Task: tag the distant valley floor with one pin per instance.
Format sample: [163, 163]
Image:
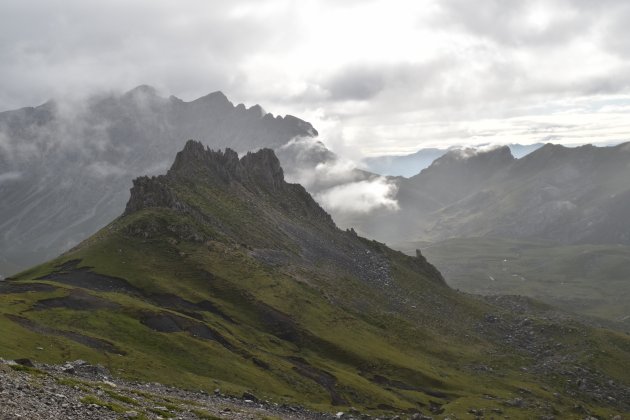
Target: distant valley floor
[592, 280]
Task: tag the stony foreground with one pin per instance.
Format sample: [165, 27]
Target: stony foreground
[78, 390]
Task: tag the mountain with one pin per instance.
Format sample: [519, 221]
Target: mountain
[560, 194]
[220, 274]
[564, 195]
[557, 216]
[66, 167]
[422, 198]
[522, 150]
[409, 165]
[402, 165]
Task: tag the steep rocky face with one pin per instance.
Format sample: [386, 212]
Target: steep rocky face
[261, 168]
[256, 179]
[66, 169]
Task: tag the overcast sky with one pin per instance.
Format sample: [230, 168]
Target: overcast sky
[374, 76]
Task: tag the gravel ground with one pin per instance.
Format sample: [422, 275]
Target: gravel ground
[78, 390]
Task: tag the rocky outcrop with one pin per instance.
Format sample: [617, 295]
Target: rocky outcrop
[259, 169]
[257, 173]
[152, 192]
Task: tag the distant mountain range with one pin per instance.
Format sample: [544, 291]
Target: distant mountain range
[409, 165]
[220, 274]
[556, 193]
[66, 169]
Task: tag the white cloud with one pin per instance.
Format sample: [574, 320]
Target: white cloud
[373, 76]
[334, 181]
[360, 197]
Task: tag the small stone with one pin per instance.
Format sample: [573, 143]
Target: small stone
[249, 396]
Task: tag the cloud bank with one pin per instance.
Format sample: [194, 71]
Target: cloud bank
[374, 77]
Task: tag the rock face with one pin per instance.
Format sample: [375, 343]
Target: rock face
[258, 173]
[66, 169]
[258, 170]
[261, 168]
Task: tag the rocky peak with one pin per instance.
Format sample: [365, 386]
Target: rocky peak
[264, 167]
[261, 168]
[152, 192]
[215, 99]
[256, 174]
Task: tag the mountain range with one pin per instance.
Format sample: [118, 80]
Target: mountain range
[409, 165]
[556, 193]
[220, 274]
[66, 167]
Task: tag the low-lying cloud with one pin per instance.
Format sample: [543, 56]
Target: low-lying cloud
[335, 182]
[360, 197]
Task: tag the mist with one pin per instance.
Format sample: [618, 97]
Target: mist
[335, 182]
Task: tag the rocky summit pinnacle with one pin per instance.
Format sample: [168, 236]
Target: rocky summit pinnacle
[259, 168]
[257, 174]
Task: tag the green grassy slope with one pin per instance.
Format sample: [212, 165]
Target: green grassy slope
[221, 275]
[591, 280]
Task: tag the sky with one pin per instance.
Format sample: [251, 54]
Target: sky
[373, 76]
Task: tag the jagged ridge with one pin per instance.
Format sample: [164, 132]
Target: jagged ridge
[257, 172]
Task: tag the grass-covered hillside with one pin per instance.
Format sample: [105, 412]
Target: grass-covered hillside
[592, 280]
[221, 275]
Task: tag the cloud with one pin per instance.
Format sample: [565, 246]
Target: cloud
[105, 170]
[10, 176]
[372, 76]
[360, 197]
[532, 23]
[463, 153]
[308, 162]
[335, 182]
[356, 83]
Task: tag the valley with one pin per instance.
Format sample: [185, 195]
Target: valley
[584, 279]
